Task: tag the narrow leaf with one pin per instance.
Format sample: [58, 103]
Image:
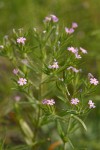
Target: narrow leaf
[80, 120]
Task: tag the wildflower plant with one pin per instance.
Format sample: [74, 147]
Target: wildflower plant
[55, 92]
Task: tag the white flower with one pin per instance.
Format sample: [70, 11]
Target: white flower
[83, 50]
[91, 104]
[54, 65]
[1, 46]
[22, 81]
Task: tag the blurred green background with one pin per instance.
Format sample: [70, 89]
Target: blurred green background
[30, 13]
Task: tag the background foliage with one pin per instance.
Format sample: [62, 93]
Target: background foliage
[30, 13]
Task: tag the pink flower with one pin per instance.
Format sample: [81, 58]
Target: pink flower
[91, 104]
[54, 18]
[44, 101]
[75, 51]
[78, 56]
[69, 30]
[51, 18]
[83, 50]
[72, 49]
[15, 71]
[74, 101]
[47, 19]
[74, 25]
[21, 40]
[54, 65]
[73, 69]
[94, 81]
[17, 98]
[22, 81]
[48, 102]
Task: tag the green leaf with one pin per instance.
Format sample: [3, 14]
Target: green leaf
[71, 143]
[28, 134]
[60, 131]
[80, 120]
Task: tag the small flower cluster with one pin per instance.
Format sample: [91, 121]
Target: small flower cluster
[22, 81]
[91, 104]
[17, 98]
[48, 102]
[21, 40]
[75, 101]
[75, 51]
[54, 65]
[15, 71]
[73, 69]
[93, 80]
[72, 49]
[52, 18]
[72, 29]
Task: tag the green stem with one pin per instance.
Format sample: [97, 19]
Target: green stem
[64, 147]
[40, 91]
[71, 143]
[68, 125]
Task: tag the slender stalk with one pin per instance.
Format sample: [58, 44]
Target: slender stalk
[71, 143]
[64, 147]
[68, 125]
[40, 91]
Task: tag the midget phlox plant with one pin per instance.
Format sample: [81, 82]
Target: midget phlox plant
[54, 90]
